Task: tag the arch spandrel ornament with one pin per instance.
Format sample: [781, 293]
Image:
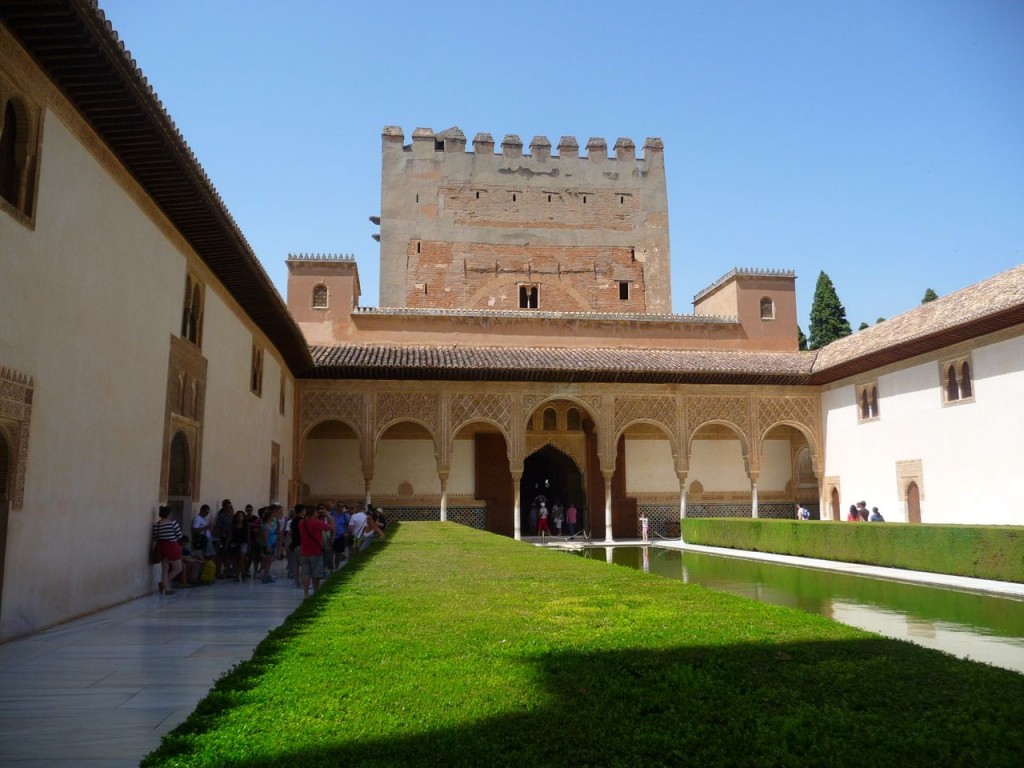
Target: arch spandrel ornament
[465, 408]
[731, 411]
[801, 413]
[421, 407]
[575, 449]
[317, 406]
[658, 410]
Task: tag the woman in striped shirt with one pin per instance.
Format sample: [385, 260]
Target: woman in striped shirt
[167, 533]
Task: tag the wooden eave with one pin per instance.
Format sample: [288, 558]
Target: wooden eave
[74, 44]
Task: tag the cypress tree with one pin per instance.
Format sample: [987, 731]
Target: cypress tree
[801, 340]
[828, 316]
[929, 295]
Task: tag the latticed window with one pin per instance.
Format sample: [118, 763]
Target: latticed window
[572, 419]
[767, 309]
[550, 420]
[320, 296]
[957, 383]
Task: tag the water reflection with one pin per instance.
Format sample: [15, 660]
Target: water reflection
[970, 625]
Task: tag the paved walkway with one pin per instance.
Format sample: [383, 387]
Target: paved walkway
[103, 690]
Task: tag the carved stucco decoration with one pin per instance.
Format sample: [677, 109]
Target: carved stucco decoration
[702, 409]
[318, 405]
[795, 411]
[658, 409]
[16, 392]
[400, 406]
[465, 408]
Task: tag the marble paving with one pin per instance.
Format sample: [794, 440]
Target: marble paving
[103, 690]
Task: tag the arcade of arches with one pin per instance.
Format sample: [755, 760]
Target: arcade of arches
[479, 454]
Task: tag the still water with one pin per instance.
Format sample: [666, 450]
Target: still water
[967, 624]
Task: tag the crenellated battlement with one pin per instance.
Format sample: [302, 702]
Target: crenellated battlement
[320, 257]
[425, 141]
[737, 272]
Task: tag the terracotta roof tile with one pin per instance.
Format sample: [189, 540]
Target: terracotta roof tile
[990, 305]
[561, 364]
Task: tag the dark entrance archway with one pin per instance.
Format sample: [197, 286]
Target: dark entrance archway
[550, 473]
[913, 503]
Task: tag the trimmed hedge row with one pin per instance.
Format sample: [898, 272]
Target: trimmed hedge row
[984, 552]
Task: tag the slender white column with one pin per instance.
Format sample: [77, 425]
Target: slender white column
[444, 496]
[608, 507]
[517, 533]
[753, 495]
[368, 484]
[682, 504]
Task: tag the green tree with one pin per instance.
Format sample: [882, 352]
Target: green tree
[801, 340]
[862, 326]
[828, 316]
[929, 295]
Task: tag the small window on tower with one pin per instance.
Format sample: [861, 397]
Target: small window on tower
[623, 290]
[528, 296]
[767, 309]
[320, 296]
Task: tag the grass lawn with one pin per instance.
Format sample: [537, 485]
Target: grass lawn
[451, 647]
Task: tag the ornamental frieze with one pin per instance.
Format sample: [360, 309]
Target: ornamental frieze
[465, 408]
[701, 409]
[659, 409]
[794, 410]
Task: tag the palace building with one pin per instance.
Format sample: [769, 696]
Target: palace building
[523, 346]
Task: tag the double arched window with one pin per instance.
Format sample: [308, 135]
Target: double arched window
[957, 383]
[867, 401]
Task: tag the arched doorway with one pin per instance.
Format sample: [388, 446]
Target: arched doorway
[913, 503]
[179, 481]
[552, 474]
[833, 504]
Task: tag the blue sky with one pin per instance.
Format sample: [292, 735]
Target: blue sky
[881, 141]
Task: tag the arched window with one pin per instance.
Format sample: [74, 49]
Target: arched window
[957, 383]
[550, 420]
[966, 389]
[767, 308]
[192, 312]
[867, 401]
[572, 419]
[9, 156]
[320, 296]
[952, 390]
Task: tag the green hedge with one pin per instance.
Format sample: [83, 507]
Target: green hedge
[984, 552]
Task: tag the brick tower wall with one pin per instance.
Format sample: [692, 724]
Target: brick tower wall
[466, 229]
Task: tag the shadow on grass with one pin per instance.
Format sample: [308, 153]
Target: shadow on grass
[856, 703]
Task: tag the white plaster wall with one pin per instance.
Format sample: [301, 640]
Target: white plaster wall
[776, 465]
[89, 300]
[333, 468]
[971, 453]
[718, 465]
[410, 461]
[650, 467]
[461, 478]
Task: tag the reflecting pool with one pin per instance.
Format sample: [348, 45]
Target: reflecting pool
[971, 625]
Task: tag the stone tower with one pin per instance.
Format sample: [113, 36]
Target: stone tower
[508, 231]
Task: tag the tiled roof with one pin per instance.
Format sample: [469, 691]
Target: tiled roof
[538, 314]
[378, 361]
[991, 305]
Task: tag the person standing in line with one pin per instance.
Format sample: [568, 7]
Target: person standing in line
[875, 516]
[355, 529]
[853, 516]
[293, 544]
[222, 525]
[167, 534]
[268, 540]
[311, 549]
[200, 539]
[570, 518]
[802, 513]
[340, 517]
[557, 515]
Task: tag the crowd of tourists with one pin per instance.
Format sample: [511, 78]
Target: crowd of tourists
[550, 522]
[244, 544]
[858, 513]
